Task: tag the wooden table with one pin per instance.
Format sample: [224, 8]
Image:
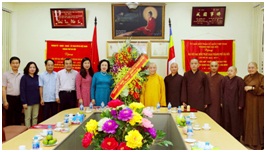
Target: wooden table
[217, 136]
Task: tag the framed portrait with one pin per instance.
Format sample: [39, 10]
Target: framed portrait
[68, 17]
[159, 49]
[144, 22]
[114, 46]
[208, 16]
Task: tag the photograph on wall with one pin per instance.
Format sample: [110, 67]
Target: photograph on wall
[114, 46]
[146, 21]
[159, 49]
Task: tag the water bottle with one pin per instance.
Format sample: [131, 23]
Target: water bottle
[207, 146]
[81, 107]
[189, 130]
[35, 143]
[179, 111]
[66, 120]
[169, 107]
[50, 130]
[188, 120]
[102, 105]
[91, 107]
[158, 107]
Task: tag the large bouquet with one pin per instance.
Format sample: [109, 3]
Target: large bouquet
[123, 128]
[121, 62]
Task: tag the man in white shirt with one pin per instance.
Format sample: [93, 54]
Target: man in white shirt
[65, 86]
[11, 93]
[47, 83]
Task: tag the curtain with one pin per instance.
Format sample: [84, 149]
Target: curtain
[6, 39]
[258, 36]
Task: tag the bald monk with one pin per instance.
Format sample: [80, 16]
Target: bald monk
[215, 79]
[254, 108]
[173, 86]
[232, 102]
[195, 88]
[153, 90]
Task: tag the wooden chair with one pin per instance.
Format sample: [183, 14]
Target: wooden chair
[9, 132]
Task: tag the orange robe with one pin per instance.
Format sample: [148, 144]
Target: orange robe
[153, 91]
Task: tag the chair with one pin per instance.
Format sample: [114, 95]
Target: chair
[9, 132]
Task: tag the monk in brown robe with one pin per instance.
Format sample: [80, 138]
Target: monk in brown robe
[254, 108]
[195, 88]
[215, 79]
[173, 84]
[232, 103]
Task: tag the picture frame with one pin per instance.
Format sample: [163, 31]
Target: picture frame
[114, 46]
[159, 49]
[68, 17]
[144, 22]
[208, 16]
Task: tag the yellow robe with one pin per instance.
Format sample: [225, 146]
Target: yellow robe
[153, 91]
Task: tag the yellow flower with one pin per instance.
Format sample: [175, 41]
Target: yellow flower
[136, 105]
[136, 118]
[92, 126]
[134, 139]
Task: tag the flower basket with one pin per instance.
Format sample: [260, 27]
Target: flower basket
[123, 127]
[121, 62]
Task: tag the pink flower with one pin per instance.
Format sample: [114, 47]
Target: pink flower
[147, 112]
[146, 123]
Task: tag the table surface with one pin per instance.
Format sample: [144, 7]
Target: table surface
[217, 136]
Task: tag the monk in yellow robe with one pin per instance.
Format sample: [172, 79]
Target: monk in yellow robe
[153, 90]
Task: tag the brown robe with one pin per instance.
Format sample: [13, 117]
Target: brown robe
[214, 109]
[195, 90]
[173, 86]
[254, 111]
[232, 97]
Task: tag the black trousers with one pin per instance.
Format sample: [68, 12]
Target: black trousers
[14, 111]
[68, 100]
[49, 109]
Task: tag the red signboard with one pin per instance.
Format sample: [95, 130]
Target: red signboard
[208, 16]
[207, 51]
[59, 50]
[68, 17]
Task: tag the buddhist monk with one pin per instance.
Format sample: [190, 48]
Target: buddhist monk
[254, 108]
[173, 86]
[148, 29]
[232, 102]
[195, 88]
[214, 79]
[153, 90]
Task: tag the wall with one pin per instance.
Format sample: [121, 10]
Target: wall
[32, 26]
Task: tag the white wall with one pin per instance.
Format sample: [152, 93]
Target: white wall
[32, 26]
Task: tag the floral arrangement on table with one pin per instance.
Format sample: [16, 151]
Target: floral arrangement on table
[123, 127]
[121, 62]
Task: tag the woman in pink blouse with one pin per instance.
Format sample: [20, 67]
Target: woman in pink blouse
[83, 82]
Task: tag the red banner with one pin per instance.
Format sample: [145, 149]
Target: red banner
[59, 50]
[207, 51]
[129, 76]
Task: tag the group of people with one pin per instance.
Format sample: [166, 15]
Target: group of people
[53, 90]
[236, 104]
